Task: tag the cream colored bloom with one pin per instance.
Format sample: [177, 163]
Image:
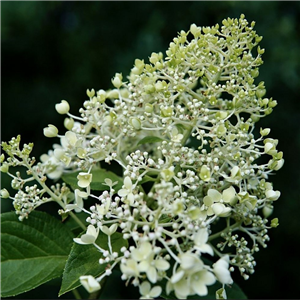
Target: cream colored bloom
[149, 293]
[144, 254]
[90, 283]
[221, 270]
[89, 237]
[84, 179]
[126, 191]
[63, 107]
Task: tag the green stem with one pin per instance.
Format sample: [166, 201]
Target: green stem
[76, 294]
[53, 196]
[216, 235]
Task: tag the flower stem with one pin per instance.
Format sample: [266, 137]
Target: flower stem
[76, 294]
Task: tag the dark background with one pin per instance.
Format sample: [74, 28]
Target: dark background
[56, 50]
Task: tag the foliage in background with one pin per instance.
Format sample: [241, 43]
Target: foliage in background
[52, 47]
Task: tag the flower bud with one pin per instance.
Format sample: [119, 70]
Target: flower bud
[90, 93]
[149, 108]
[63, 107]
[260, 92]
[166, 112]
[274, 223]
[113, 94]
[4, 168]
[135, 123]
[195, 31]
[117, 80]
[4, 193]
[205, 173]
[265, 132]
[69, 123]
[2, 157]
[267, 211]
[101, 96]
[50, 131]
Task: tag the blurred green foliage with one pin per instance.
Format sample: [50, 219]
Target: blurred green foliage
[56, 50]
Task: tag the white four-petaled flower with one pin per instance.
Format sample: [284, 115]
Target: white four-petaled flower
[89, 237]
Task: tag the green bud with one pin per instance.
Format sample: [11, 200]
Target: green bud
[274, 223]
[220, 115]
[265, 132]
[167, 174]
[195, 31]
[101, 96]
[117, 80]
[166, 112]
[205, 173]
[2, 157]
[272, 103]
[91, 93]
[221, 130]
[154, 58]
[149, 108]
[267, 210]
[260, 51]
[149, 88]
[260, 92]
[135, 123]
[254, 73]
[139, 64]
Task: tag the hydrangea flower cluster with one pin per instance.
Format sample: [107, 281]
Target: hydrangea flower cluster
[195, 198]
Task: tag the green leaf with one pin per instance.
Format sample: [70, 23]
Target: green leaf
[150, 140]
[83, 260]
[32, 252]
[97, 182]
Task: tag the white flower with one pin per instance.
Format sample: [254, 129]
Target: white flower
[90, 283]
[84, 179]
[214, 201]
[54, 166]
[71, 138]
[190, 278]
[130, 268]
[145, 256]
[176, 137]
[127, 190]
[79, 195]
[272, 195]
[89, 237]
[221, 270]
[147, 292]
[200, 280]
[200, 241]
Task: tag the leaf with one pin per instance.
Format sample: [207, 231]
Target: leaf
[32, 252]
[97, 181]
[83, 260]
[150, 140]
